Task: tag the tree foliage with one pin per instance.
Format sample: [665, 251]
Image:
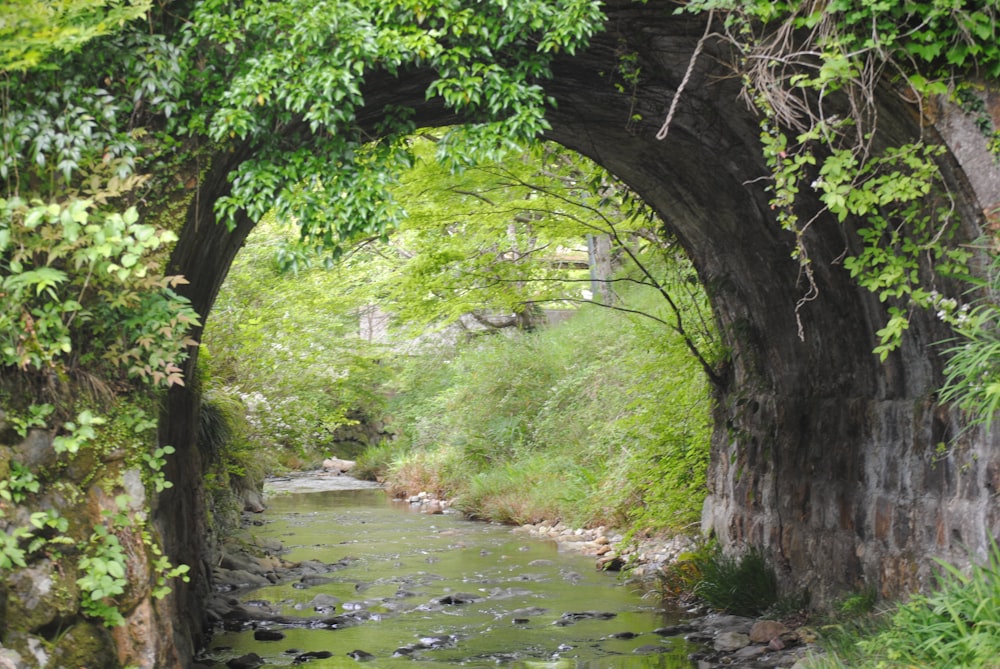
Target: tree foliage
[289, 77]
[493, 245]
[285, 345]
[31, 30]
[490, 240]
[84, 289]
[498, 240]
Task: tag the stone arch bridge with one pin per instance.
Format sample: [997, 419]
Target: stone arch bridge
[821, 453]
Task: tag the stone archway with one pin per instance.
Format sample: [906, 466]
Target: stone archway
[821, 453]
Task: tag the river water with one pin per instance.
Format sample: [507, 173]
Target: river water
[439, 591]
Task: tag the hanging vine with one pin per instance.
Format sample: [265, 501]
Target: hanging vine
[815, 72]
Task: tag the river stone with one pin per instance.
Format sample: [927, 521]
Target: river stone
[588, 615]
[458, 598]
[357, 606]
[765, 630]
[623, 635]
[361, 655]
[749, 652]
[649, 649]
[324, 602]
[729, 623]
[674, 630]
[268, 635]
[701, 636]
[248, 661]
[11, 659]
[312, 655]
[611, 561]
[435, 642]
[727, 642]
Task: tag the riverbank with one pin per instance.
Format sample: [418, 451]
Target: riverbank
[643, 559]
[735, 642]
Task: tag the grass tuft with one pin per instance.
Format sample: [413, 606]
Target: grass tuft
[744, 585]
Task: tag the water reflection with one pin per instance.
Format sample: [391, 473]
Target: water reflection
[442, 591]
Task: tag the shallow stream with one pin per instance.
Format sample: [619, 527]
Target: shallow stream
[440, 591]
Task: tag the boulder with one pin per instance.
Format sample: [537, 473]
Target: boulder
[40, 594]
[337, 465]
[765, 630]
[727, 642]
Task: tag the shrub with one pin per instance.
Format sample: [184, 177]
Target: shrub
[376, 461]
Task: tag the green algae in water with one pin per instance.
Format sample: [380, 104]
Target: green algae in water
[448, 591]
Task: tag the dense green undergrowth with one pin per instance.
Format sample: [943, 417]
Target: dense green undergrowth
[957, 626]
[603, 420]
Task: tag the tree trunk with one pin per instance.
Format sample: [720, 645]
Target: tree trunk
[599, 252]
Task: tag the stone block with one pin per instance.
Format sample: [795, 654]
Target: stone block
[883, 518]
[40, 595]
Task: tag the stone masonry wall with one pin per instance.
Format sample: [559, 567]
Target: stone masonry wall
[42, 620]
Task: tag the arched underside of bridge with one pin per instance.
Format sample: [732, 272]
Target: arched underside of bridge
[821, 454]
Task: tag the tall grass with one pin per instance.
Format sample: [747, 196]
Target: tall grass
[603, 420]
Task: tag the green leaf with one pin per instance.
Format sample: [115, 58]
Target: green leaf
[116, 569]
[41, 279]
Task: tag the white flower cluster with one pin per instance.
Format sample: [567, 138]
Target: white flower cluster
[948, 309]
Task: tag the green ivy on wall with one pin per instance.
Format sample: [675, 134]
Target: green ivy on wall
[814, 73]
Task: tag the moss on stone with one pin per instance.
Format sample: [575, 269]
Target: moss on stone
[41, 595]
[85, 644]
